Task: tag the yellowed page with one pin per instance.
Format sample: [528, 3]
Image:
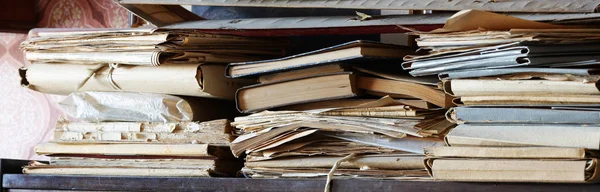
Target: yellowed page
[506, 152]
[465, 87]
[502, 170]
[371, 161]
[467, 20]
[116, 171]
[150, 58]
[193, 150]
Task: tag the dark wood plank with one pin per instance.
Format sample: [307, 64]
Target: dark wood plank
[17, 16]
[10, 166]
[20, 181]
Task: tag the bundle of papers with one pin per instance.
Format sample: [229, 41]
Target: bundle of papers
[149, 47]
[309, 148]
[317, 109]
[460, 47]
[177, 160]
[135, 134]
[528, 100]
[177, 62]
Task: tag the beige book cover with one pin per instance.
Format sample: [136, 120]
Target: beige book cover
[40, 168]
[186, 150]
[515, 170]
[468, 87]
[134, 163]
[295, 74]
[509, 152]
[555, 99]
[424, 92]
[503, 135]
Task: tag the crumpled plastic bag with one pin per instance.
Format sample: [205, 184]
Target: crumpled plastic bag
[93, 106]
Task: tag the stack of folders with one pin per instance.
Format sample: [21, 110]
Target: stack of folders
[335, 106]
[143, 102]
[137, 134]
[177, 62]
[519, 90]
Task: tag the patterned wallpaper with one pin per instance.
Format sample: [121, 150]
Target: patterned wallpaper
[28, 117]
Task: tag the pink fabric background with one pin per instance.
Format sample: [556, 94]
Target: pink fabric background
[28, 117]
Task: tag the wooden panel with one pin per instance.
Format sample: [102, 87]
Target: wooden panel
[19, 181]
[20, 10]
[10, 166]
[488, 5]
[17, 16]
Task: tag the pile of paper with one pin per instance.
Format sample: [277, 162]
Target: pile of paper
[519, 85]
[322, 113]
[178, 62]
[143, 102]
[145, 46]
[154, 136]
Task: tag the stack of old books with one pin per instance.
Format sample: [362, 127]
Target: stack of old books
[137, 134]
[123, 84]
[337, 107]
[524, 88]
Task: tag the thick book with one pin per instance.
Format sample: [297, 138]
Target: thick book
[529, 100]
[348, 52]
[277, 94]
[486, 87]
[515, 170]
[507, 135]
[214, 166]
[509, 152]
[475, 73]
[508, 115]
[300, 73]
[426, 93]
[114, 171]
[171, 150]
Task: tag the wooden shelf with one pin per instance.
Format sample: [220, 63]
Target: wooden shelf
[107, 183]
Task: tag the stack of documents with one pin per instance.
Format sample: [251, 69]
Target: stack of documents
[338, 105]
[178, 62]
[459, 51]
[144, 102]
[519, 85]
[308, 143]
[135, 134]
